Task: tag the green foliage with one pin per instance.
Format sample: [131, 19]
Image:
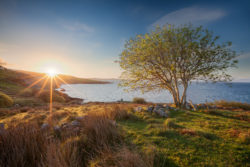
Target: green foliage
[5, 100]
[139, 100]
[170, 57]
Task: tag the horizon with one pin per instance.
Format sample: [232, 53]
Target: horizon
[84, 38]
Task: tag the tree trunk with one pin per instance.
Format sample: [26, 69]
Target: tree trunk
[184, 95]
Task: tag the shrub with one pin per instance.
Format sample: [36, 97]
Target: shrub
[5, 100]
[139, 100]
[26, 92]
[45, 96]
[116, 113]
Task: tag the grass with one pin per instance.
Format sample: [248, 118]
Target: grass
[113, 134]
[5, 100]
[232, 104]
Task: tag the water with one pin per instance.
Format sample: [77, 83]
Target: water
[197, 92]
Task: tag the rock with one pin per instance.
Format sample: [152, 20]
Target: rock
[44, 126]
[80, 118]
[161, 112]
[75, 123]
[16, 105]
[2, 125]
[64, 125]
[62, 90]
[112, 122]
[138, 109]
[150, 109]
[188, 106]
[57, 128]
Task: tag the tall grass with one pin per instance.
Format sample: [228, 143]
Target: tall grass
[233, 104]
[26, 145]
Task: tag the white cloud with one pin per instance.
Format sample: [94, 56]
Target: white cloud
[194, 15]
[78, 26]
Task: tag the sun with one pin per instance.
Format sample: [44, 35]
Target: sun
[51, 72]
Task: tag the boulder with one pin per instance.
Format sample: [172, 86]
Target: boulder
[161, 112]
[138, 109]
[44, 126]
[57, 128]
[150, 109]
[75, 123]
[2, 125]
[80, 118]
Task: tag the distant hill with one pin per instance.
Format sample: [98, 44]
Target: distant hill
[14, 82]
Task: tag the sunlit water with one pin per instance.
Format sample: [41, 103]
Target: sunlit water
[197, 92]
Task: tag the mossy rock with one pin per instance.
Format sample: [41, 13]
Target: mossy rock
[5, 100]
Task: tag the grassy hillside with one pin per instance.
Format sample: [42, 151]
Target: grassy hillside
[106, 134]
[16, 84]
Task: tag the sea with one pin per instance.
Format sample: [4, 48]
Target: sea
[198, 92]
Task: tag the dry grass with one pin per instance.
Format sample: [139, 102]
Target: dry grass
[232, 104]
[22, 146]
[123, 157]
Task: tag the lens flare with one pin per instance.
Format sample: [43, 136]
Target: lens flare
[51, 72]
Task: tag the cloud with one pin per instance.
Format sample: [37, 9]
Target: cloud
[195, 15]
[244, 56]
[78, 27]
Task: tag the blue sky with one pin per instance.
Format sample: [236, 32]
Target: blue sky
[84, 38]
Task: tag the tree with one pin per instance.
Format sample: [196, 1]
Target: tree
[171, 57]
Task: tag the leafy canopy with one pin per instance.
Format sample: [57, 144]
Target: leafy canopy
[169, 57]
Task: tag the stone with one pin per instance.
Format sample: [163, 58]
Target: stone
[80, 118]
[138, 109]
[2, 125]
[150, 109]
[75, 123]
[64, 125]
[161, 112]
[16, 105]
[57, 128]
[44, 126]
[187, 106]
[112, 122]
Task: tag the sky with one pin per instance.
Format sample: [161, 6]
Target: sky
[84, 38]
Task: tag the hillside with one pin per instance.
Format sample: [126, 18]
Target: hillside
[24, 87]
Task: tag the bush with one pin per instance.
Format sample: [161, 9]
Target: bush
[5, 100]
[45, 96]
[139, 100]
[26, 92]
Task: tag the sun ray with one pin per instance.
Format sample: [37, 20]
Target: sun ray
[43, 86]
[34, 83]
